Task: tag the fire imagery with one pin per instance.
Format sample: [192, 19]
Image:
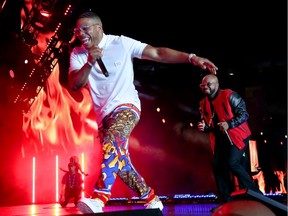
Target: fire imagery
[57, 121]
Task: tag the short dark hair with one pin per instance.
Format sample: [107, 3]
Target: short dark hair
[89, 14]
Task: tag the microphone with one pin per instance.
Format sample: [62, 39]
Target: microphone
[102, 67]
[228, 137]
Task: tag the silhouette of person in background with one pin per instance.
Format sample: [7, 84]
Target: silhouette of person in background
[71, 184]
[75, 160]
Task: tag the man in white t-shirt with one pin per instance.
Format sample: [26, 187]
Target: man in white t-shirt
[105, 63]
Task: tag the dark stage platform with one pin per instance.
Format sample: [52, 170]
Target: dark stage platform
[246, 203]
[115, 210]
[245, 207]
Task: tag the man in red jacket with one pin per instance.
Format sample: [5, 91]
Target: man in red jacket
[224, 116]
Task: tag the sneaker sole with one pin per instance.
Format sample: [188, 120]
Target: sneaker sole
[159, 206]
[84, 208]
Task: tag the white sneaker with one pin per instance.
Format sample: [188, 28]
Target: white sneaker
[156, 203]
[86, 205]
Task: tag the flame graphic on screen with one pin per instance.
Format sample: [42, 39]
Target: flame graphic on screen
[58, 121]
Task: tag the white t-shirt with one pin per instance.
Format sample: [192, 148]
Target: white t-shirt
[109, 92]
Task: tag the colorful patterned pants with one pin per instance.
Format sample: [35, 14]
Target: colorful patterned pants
[114, 134]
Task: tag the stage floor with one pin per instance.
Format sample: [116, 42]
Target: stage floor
[262, 205]
[57, 210]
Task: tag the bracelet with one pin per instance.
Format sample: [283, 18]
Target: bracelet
[190, 57]
[90, 64]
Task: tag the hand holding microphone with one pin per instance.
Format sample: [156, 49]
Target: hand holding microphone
[102, 67]
[94, 55]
